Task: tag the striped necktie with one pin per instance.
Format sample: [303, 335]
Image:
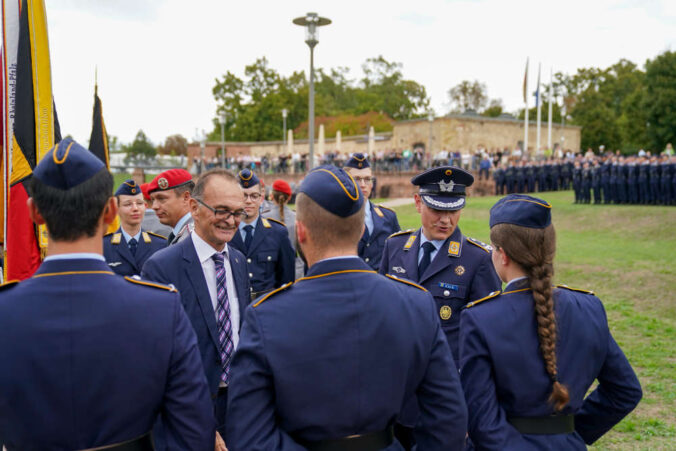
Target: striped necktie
[223, 323]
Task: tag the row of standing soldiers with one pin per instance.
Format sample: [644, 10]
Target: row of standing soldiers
[608, 179]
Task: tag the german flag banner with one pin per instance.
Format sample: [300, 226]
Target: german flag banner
[98, 143]
[29, 107]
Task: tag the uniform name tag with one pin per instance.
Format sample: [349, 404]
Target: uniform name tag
[449, 286]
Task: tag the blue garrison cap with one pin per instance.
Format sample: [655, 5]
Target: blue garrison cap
[247, 178]
[358, 161]
[521, 210]
[334, 190]
[67, 165]
[128, 188]
[443, 188]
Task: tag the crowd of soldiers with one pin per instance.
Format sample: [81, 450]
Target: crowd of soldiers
[327, 328]
[607, 179]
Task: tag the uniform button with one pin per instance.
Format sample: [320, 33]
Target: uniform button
[250, 274]
[366, 259]
[269, 258]
[368, 244]
[248, 260]
[447, 293]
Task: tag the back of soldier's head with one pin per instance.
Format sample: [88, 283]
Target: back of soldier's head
[70, 188]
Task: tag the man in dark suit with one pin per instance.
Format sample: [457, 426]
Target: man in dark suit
[127, 249]
[270, 258]
[92, 358]
[211, 277]
[380, 222]
[327, 362]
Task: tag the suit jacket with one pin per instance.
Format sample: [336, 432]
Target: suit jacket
[91, 359]
[337, 353]
[503, 373]
[461, 271]
[119, 257]
[384, 224]
[270, 259]
[179, 266]
[184, 233]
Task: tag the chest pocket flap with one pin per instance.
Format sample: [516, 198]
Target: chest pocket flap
[266, 257]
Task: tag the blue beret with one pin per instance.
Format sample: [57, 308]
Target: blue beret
[128, 188]
[358, 161]
[247, 178]
[521, 210]
[334, 190]
[67, 165]
[443, 188]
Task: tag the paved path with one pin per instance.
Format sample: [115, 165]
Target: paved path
[397, 202]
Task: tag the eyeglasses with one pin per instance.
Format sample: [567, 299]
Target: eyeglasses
[366, 180]
[225, 214]
[253, 196]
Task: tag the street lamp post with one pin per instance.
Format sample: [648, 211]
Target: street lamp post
[284, 113]
[203, 142]
[221, 119]
[430, 118]
[312, 21]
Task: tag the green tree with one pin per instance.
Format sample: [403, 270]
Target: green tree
[468, 95]
[660, 100]
[141, 149]
[174, 145]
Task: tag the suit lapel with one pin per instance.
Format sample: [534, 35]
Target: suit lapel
[377, 221]
[259, 236]
[410, 258]
[125, 253]
[240, 287]
[199, 284]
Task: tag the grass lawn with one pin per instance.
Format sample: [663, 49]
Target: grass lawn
[627, 256]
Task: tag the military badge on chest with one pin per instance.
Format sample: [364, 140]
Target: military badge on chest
[459, 270]
[445, 312]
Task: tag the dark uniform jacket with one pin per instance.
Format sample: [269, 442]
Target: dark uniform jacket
[384, 224]
[92, 358]
[461, 271]
[119, 257]
[503, 372]
[270, 259]
[336, 354]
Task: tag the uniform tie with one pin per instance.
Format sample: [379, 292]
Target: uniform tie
[133, 244]
[367, 235]
[428, 248]
[223, 323]
[171, 237]
[248, 230]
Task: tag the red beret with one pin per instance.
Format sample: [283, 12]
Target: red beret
[144, 190]
[282, 187]
[170, 179]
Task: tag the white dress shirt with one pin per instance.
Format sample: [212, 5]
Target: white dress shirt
[205, 253]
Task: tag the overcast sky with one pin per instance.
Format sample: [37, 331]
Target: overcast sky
[158, 59]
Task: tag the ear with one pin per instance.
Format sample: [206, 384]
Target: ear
[418, 202]
[301, 232]
[110, 211]
[194, 206]
[33, 212]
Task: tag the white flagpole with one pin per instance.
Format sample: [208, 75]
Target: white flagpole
[538, 101]
[525, 100]
[549, 121]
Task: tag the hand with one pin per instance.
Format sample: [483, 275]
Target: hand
[220, 444]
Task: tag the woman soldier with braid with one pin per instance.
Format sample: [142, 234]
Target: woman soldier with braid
[529, 354]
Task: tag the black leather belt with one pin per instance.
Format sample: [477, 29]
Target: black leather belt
[373, 441]
[142, 443]
[555, 424]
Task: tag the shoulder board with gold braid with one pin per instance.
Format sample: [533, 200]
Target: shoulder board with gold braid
[145, 283]
[575, 289]
[479, 301]
[403, 232]
[276, 220]
[9, 284]
[116, 238]
[273, 292]
[407, 282]
[156, 234]
[265, 223]
[479, 244]
[386, 208]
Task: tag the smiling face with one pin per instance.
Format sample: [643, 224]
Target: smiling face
[436, 224]
[221, 194]
[131, 210]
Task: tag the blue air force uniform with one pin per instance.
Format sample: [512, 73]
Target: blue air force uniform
[329, 360]
[503, 373]
[383, 223]
[118, 252]
[265, 243]
[91, 359]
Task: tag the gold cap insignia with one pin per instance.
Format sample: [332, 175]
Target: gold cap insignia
[460, 270]
[445, 312]
[360, 165]
[163, 183]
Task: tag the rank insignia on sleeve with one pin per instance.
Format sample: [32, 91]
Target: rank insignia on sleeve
[460, 270]
[445, 312]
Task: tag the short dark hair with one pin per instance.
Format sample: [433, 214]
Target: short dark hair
[74, 213]
[186, 187]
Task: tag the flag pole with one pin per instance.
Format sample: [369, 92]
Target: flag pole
[549, 120]
[525, 100]
[538, 104]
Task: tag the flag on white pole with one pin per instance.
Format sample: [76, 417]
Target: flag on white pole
[538, 104]
[549, 120]
[525, 101]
